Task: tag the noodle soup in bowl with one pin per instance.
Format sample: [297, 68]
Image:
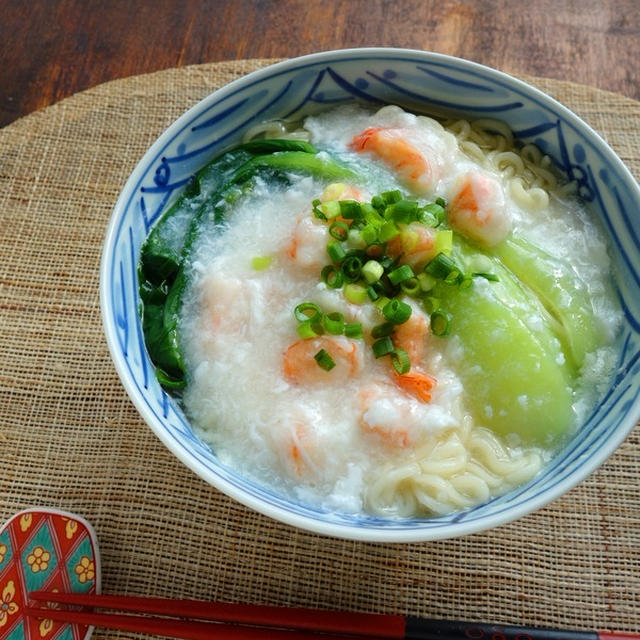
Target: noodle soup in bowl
[386, 295]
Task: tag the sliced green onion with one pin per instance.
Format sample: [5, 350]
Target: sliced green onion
[403, 211]
[306, 330]
[331, 209]
[387, 262]
[336, 252]
[369, 233]
[383, 330]
[441, 266]
[355, 293]
[492, 277]
[339, 230]
[441, 202]
[333, 323]
[378, 203]
[426, 281]
[388, 231]
[391, 197]
[332, 277]
[443, 242]
[355, 239]
[317, 211]
[350, 209]
[436, 210]
[352, 268]
[372, 271]
[454, 277]
[440, 322]
[372, 293]
[353, 330]
[307, 311]
[411, 287]
[382, 347]
[381, 302]
[431, 304]
[396, 311]
[371, 215]
[400, 361]
[260, 263]
[465, 281]
[324, 360]
[401, 274]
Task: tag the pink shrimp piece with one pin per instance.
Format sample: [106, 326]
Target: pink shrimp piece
[306, 247]
[224, 302]
[295, 442]
[416, 383]
[301, 445]
[412, 336]
[477, 209]
[386, 415]
[415, 245]
[301, 368]
[393, 147]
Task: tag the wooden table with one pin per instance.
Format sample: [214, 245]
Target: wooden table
[51, 49]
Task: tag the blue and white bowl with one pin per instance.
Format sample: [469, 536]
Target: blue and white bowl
[419, 81]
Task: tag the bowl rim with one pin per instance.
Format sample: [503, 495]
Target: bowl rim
[301, 521]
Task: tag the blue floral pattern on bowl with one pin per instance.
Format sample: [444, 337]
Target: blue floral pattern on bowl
[421, 82]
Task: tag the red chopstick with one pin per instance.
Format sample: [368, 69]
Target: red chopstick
[289, 619]
[227, 621]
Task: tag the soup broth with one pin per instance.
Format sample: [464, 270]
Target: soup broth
[463, 347]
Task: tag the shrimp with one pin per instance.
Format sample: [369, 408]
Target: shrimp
[387, 415]
[306, 247]
[477, 209]
[301, 368]
[412, 335]
[393, 147]
[416, 383]
[296, 444]
[414, 245]
[224, 301]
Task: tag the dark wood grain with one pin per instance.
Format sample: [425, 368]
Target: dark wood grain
[51, 49]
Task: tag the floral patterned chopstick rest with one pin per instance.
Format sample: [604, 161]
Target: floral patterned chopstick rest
[45, 549]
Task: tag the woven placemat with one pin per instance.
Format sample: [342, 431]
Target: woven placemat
[70, 438]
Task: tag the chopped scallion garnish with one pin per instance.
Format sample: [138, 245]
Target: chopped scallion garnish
[440, 322]
[333, 323]
[306, 330]
[372, 271]
[352, 268]
[332, 277]
[400, 361]
[382, 347]
[336, 252]
[324, 360]
[355, 293]
[401, 274]
[396, 311]
[353, 330]
[259, 263]
[339, 230]
[492, 277]
[308, 311]
[383, 330]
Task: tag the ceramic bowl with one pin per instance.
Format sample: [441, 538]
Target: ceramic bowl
[419, 81]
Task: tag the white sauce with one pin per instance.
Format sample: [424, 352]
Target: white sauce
[328, 443]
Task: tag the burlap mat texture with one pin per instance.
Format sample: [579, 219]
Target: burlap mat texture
[70, 438]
